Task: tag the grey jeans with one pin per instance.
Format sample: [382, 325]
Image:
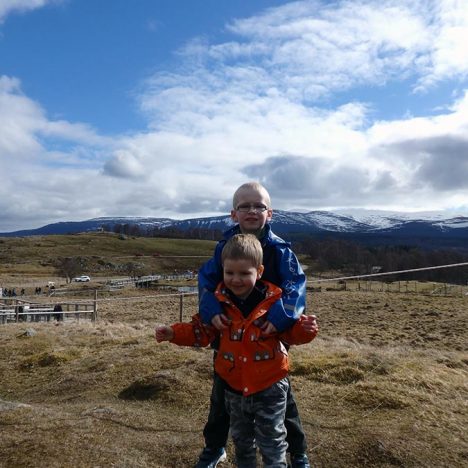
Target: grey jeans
[258, 419]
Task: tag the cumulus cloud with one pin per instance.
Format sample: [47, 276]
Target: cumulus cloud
[265, 93]
[430, 152]
[124, 164]
[48, 167]
[281, 101]
[441, 162]
[302, 182]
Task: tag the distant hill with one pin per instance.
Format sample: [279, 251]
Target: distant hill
[430, 230]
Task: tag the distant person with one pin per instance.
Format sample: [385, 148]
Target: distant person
[251, 210]
[58, 315]
[21, 316]
[255, 391]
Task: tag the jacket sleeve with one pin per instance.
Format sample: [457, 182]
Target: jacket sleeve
[284, 313]
[209, 276]
[297, 335]
[193, 333]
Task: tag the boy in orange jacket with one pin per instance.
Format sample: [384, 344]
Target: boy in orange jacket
[254, 365]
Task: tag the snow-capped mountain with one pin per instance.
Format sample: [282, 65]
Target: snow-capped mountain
[390, 219]
[433, 228]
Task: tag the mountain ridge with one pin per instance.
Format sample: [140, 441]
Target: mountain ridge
[431, 229]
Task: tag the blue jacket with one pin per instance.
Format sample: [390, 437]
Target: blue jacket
[281, 268]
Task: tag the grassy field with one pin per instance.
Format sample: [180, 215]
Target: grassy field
[384, 384]
[102, 254]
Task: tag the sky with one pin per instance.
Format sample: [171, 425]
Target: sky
[162, 108]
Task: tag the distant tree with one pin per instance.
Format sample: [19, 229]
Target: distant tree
[356, 259]
[135, 230]
[68, 267]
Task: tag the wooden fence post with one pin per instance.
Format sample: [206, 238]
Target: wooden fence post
[95, 306]
[181, 305]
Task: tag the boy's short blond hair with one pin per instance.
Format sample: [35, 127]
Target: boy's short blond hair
[255, 186]
[243, 247]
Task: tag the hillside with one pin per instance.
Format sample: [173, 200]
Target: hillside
[102, 254]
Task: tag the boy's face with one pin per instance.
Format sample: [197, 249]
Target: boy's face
[248, 211]
[240, 276]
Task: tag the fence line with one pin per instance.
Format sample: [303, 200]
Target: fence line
[387, 273]
[17, 309]
[323, 280]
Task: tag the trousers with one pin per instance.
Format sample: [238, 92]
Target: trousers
[216, 430]
[258, 421]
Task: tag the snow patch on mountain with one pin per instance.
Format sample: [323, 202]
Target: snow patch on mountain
[378, 219]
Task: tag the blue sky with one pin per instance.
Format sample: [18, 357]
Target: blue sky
[162, 108]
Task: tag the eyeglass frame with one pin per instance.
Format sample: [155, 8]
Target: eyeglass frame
[255, 207]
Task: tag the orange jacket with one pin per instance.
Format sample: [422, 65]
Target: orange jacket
[247, 360]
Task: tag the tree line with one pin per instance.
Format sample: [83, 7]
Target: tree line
[171, 232]
[344, 256]
[352, 258]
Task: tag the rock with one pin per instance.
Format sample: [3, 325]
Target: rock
[27, 333]
[11, 405]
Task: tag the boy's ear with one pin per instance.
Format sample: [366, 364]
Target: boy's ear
[269, 214]
[260, 271]
[234, 216]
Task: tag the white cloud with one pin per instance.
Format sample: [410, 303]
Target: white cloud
[448, 52]
[46, 166]
[9, 6]
[261, 105]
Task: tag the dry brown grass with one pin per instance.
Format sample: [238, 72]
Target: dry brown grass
[29, 261]
[383, 385]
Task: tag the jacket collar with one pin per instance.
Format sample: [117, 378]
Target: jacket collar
[273, 293]
[268, 237]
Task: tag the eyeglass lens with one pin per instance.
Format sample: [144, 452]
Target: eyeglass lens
[254, 207]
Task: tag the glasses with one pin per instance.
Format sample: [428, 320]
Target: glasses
[255, 207]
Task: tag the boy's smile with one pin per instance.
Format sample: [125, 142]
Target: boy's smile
[240, 276]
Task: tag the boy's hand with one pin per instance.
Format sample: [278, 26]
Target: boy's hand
[163, 333]
[220, 322]
[309, 324]
[268, 328]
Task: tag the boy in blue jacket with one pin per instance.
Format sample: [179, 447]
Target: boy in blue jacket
[252, 212]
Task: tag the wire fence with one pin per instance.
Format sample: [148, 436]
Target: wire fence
[182, 302]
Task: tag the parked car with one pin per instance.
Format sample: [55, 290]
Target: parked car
[82, 278]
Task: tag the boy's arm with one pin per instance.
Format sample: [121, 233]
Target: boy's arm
[304, 330]
[284, 312]
[209, 276]
[193, 333]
